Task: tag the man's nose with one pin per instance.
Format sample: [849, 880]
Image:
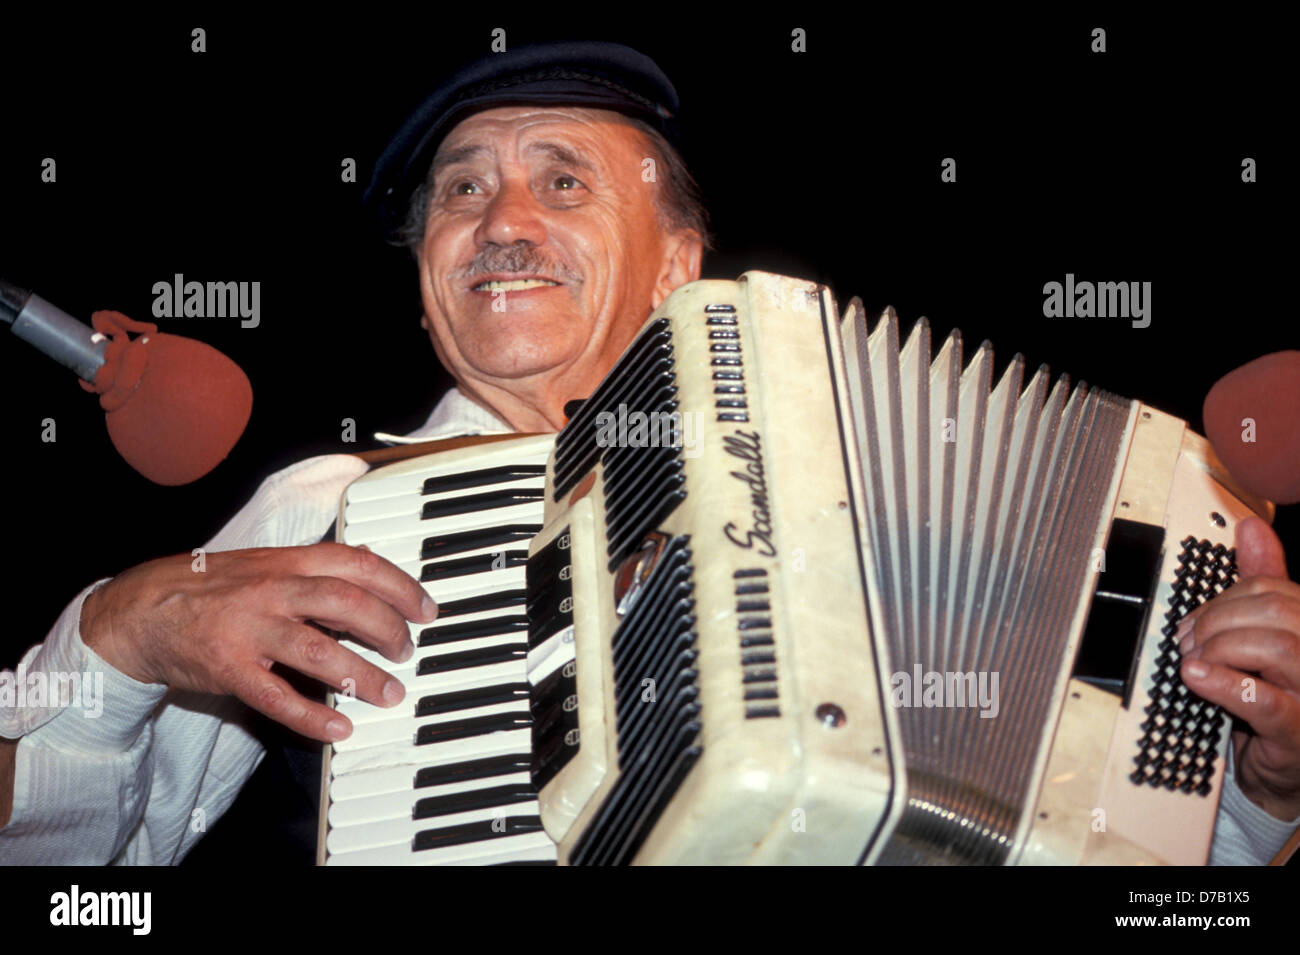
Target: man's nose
[513, 215]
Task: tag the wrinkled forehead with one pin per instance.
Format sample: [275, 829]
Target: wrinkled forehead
[595, 134]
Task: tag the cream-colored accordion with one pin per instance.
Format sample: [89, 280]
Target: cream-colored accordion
[790, 589]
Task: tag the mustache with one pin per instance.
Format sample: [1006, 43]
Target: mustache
[518, 258]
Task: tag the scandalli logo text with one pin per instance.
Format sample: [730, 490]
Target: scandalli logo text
[103, 908]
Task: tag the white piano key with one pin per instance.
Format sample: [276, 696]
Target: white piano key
[389, 528]
[389, 832]
[412, 503]
[359, 711]
[508, 671]
[408, 560]
[505, 638]
[404, 728]
[372, 782]
[407, 754]
[526, 847]
[457, 588]
[399, 804]
[389, 485]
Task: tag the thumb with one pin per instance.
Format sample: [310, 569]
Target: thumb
[1259, 551]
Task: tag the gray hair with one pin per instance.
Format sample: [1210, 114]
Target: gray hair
[678, 199]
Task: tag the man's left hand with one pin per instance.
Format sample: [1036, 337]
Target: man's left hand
[1242, 651]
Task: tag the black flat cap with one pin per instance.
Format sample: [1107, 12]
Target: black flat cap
[583, 73]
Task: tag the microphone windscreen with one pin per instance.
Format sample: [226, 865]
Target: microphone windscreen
[1252, 419]
[185, 415]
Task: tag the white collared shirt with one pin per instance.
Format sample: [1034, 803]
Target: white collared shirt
[133, 784]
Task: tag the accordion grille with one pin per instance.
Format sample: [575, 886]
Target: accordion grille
[643, 381]
[653, 652]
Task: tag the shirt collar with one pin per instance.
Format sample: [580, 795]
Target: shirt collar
[455, 416]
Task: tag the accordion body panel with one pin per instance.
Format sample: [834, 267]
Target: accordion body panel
[803, 593]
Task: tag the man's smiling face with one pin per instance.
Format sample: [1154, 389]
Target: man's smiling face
[543, 251]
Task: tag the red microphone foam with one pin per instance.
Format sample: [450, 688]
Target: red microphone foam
[1252, 418]
[175, 406]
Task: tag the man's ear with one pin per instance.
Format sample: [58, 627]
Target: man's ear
[682, 255]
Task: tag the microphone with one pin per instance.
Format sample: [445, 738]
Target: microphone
[174, 407]
[1252, 419]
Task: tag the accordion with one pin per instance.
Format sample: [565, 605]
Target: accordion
[791, 589]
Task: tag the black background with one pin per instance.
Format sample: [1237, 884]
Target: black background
[225, 166]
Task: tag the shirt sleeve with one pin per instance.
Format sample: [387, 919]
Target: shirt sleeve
[109, 769]
[1244, 834]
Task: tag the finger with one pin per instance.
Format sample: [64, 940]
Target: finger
[342, 605]
[274, 698]
[1274, 605]
[1273, 713]
[1273, 654]
[368, 570]
[1259, 551]
[320, 656]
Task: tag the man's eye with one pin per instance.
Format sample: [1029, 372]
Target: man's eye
[465, 188]
[566, 183]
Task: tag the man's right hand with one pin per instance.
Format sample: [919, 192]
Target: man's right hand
[221, 630]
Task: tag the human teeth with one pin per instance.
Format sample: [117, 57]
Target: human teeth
[514, 285]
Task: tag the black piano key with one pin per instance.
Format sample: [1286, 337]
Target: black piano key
[474, 503]
[471, 769]
[499, 600]
[476, 832]
[509, 795]
[465, 566]
[471, 629]
[431, 733]
[458, 700]
[483, 656]
[448, 544]
[481, 478]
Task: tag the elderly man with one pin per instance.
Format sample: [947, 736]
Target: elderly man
[542, 248]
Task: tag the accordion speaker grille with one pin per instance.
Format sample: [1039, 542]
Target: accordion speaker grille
[654, 648]
[642, 381]
[983, 508]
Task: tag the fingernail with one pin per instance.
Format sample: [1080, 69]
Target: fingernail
[1186, 643]
[337, 729]
[1196, 669]
[408, 651]
[394, 692]
[429, 607]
